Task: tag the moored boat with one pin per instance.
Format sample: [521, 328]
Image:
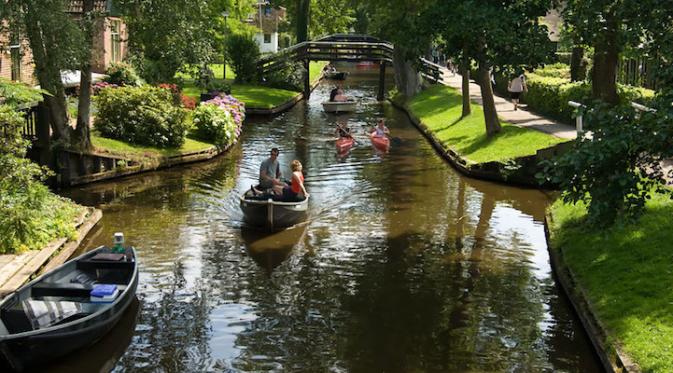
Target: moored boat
[339, 106]
[61, 311]
[343, 144]
[263, 211]
[336, 75]
[381, 143]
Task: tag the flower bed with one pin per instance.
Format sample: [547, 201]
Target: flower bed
[219, 120]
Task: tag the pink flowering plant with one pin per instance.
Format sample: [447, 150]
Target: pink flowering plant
[97, 87]
[219, 120]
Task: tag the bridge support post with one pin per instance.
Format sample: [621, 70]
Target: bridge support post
[382, 81]
[307, 80]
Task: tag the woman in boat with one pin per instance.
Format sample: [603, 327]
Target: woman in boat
[340, 96]
[380, 130]
[295, 191]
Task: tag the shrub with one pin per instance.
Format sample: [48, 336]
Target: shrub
[174, 90]
[290, 78]
[30, 216]
[122, 73]
[97, 87]
[242, 55]
[616, 170]
[141, 115]
[205, 77]
[219, 120]
[188, 102]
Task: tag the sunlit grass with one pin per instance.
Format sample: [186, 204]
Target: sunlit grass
[138, 152]
[626, 272]
[440, 109]
[254, 96]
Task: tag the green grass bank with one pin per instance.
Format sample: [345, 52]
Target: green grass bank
[254, 96]
[439, 109]
[139, 152]
[626, 272]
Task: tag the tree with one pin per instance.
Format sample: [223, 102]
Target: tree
[56, 44]
[399, 22]
[309, 19]
[612, 25]
[493, 33]
[166, 35]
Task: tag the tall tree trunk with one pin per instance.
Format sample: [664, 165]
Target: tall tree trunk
[490, 113]
[83, 129]
[577, 72]
[407, 77]
[303, 7]
[465, 73]
[606, 57]
[48, 75]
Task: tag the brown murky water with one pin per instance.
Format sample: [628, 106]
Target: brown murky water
[404, 266]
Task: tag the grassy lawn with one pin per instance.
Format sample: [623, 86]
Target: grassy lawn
[440, 108]
[139, 152]
[626, 272]
[254, 96]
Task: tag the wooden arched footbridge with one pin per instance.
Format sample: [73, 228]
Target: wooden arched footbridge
[341, 47]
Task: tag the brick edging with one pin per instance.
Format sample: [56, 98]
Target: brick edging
[612, 356]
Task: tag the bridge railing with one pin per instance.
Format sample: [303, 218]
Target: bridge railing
[29, 129]
[352, 51]
[430, 70]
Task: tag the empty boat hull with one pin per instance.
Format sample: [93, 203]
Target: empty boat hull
[26, 349]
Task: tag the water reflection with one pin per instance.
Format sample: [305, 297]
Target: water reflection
[403, 264]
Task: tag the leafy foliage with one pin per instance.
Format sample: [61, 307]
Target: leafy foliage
[122, 73]
[290, 78]
[141, 115]
[616, 169]
[30, 216]
[216, 123]
[242, 55]
[18, 94]
[166, 35]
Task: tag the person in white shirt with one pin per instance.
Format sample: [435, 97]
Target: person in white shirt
[516, 87]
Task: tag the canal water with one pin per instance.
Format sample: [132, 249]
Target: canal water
[403, 266]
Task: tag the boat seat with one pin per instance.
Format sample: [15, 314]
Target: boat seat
[16, 320]
[64, 289]
[104, 264]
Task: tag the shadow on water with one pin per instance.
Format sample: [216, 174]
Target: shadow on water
[270, 249]
[103, 355]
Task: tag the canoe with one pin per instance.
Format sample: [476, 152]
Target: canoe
[339, 107]
[262, 211]
[337, 75]
[343, 144]
[55, 314]
[382, 143]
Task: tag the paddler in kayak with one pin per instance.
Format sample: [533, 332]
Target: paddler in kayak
[380, 130]
[342, 130]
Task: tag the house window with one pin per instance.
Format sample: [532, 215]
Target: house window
[115, 41]
[267, 38]
[15, 58]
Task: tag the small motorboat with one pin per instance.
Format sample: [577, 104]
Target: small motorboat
[381, 143]
[343, 144]
[339, 106]
[336, 75]
[68, 308]
[263, 211]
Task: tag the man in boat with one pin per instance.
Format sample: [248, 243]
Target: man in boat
[340, 96]
[269, 174]
[333, 93]
[342, 130]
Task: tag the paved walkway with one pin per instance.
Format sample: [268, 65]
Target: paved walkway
[505, 108]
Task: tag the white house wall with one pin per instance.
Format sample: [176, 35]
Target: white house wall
[271, 47]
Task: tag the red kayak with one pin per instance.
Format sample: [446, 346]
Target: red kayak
[381, 143]
[343, 144]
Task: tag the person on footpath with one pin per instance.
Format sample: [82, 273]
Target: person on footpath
[516, 87]
[269, 174]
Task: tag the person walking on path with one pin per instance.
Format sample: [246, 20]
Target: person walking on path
[516, 87]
